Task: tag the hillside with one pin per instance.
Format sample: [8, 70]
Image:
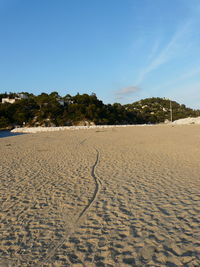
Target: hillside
[28, 110]
[156, 110]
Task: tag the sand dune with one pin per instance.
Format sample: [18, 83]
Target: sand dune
[189, 120]
[102, 197]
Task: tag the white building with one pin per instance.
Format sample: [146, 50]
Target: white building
[61, 102]
[22, 96]
[9, 100]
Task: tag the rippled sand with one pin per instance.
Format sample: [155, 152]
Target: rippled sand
[102, 197]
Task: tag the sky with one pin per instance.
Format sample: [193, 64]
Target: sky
[122, 50]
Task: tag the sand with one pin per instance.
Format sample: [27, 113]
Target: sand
[102, 197]
[189, 120]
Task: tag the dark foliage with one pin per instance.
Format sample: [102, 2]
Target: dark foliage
[53, 110]
[157, 110]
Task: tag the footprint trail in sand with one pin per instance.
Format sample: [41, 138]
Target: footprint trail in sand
[137, 203]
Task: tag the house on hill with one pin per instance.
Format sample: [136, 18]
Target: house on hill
[13, 100]
[9, 100]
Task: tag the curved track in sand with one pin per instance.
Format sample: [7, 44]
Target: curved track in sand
[55, 212]
[96, 191]
[72, 229]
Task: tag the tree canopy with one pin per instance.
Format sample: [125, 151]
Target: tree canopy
[54, 110]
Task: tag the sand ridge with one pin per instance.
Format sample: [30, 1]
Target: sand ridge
[110, 197]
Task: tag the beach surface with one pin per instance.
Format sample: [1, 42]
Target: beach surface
[101, 197]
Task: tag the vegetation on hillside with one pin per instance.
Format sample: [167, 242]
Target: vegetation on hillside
[83, 109]
[157, 110]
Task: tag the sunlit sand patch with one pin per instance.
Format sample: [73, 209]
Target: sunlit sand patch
[145, 211]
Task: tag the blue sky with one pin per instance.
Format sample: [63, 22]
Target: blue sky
[122, 50]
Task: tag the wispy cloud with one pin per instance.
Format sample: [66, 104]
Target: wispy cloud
[126, 91]
[170, 51]
[181, 78]
[154, 50]
[188, 74]
[191, 92]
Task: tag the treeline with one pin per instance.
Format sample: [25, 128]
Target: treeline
[83, 109]
[158, 110]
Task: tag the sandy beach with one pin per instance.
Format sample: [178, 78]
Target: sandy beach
[101, 197]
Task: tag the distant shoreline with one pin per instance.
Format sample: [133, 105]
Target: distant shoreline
[185, 121]
[63, 128]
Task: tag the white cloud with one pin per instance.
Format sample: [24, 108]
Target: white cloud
[181, 78]
[154, 50]
[127, 91]
[173, 48]
[188, 94]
